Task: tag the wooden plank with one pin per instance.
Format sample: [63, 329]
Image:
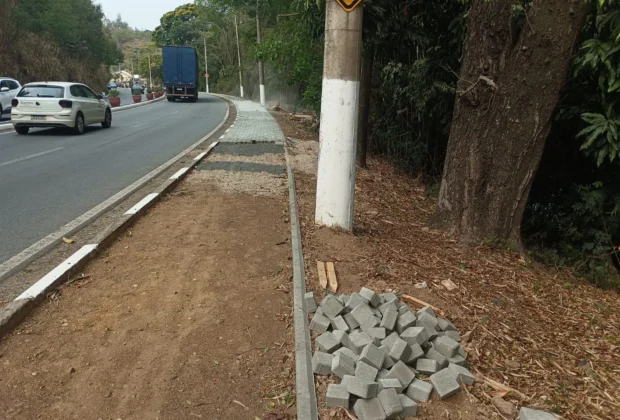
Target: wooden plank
[320, 267]
[331, 277]
[422, 303]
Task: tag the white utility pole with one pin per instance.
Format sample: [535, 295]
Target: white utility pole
[239, 57]
[335, 189]
[150, 73]
[204, 38]
[261, 75]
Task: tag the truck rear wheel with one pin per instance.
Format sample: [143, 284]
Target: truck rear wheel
[171, 98]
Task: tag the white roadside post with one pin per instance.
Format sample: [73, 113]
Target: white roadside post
[239, 58]
[335, 190]
[206, 66]
[261, 74]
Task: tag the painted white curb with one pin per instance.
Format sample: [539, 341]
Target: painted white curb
[135, 209]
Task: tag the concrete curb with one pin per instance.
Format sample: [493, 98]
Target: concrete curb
[17, 310]
[33, 252]
[8, 126]
[304, 378]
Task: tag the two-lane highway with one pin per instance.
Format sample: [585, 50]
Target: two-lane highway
[50, 177]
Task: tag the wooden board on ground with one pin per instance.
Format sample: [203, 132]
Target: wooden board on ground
[331, 277]
[422, 303]
[320, 267]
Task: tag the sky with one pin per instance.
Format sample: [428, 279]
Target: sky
[141, 14]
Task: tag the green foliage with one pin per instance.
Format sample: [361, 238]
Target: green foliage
[179, 27]
[113, 93]
[136, 92]
[602, 135]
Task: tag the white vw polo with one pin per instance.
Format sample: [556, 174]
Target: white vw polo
[59, 104]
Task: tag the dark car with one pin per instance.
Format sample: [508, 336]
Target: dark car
[138, 86]
[111, 86]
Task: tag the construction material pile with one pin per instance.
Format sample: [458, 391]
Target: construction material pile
[388, 357]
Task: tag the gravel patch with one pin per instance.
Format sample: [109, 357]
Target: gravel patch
[253, 183]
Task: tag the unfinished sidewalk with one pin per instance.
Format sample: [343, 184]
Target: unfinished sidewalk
[187, 315]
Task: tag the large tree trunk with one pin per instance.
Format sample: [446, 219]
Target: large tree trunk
[513, 70]
[368, 57]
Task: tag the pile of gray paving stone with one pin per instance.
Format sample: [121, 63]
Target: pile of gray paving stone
[381, 350]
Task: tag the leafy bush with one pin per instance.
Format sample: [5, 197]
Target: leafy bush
[113, 93]
[136, 92]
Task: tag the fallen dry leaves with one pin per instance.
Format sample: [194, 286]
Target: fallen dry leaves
[538, 337]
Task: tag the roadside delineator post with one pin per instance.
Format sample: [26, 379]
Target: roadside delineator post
[335, 192]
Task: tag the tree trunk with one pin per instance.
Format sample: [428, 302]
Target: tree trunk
[368, 57]
[513, 70]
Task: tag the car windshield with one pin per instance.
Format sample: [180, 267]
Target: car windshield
[42, 91]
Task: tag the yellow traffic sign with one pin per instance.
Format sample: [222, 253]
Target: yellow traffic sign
[348, 5]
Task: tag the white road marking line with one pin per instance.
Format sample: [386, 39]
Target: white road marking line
[39, 287]
[21, 159]
[227, 130]
[200, 156]
[179, 173]
[221, 137]
[136, 126]
[141, 203]
[175, 113]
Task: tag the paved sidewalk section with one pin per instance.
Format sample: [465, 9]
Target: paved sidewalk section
[187, 315]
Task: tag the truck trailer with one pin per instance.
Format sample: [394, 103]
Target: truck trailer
[180, 65]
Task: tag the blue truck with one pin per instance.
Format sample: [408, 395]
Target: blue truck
[180, 65]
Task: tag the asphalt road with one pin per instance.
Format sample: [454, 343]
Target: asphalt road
[50, 177]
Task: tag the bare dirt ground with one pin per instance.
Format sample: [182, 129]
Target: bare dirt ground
[186, 316]
[550, 337]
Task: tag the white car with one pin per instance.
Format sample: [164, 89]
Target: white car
[8, 89]
[59, 104]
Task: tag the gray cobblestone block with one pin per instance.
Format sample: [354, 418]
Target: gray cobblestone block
[337, 396]
[387, 383]
[454, 335]
[322, 363]
[388, 296]
[426, 366]
[410, 407]
[461, 350]
[339, 323]
[529, 414]
[387, 360]
[426, 320]
[343, 364]
[377, 334]
[371, 322]
[319, 323]
[377, 312]
[342, 337]
[390, 340]
[402, 372]
[341, 299]
[372, 355]
[405, 321]
[310, 302]
[359, 340]
[457, 360]
[355, 300]
[373, 299]
[390, 403]
[348, 352]
[351, 322]
[415, 335]
[319, 311]
[462, 374]
[419, 390]
[428, 310]
[369, 409]
[431, 334]
[416, 353]
[442, 361]
[392, 304]
[359, 387]
[444, 383]
[400, 351]
[327, 342]
[445, 325]
[362, 313]
[382, 374]
[389, 319]
[403, 308]
[332, 307]
[366, 372]
[446, 346]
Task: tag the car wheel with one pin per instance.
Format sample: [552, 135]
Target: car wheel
[22, 130]
[79, 124]
[107, 122]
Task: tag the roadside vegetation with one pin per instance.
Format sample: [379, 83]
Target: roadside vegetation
[62, 40]
[431, 99]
